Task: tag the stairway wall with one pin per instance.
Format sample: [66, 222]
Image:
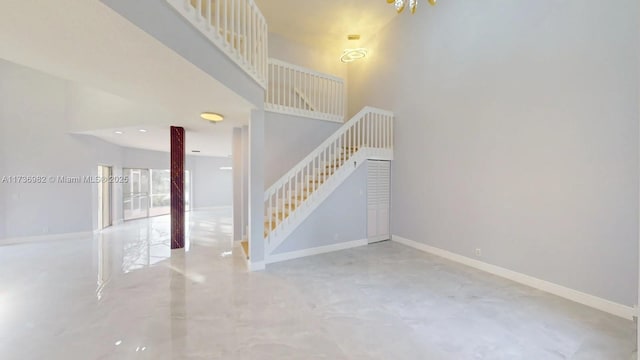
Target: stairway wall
[311, 57]
[517, 133]
[288, 139]
[342, 217]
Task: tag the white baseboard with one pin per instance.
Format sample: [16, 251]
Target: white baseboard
[44, 238]
[595, 302]
[274, 258]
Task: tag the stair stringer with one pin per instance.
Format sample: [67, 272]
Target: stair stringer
[280, 234]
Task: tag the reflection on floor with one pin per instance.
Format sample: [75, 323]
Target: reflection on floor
[124, 295]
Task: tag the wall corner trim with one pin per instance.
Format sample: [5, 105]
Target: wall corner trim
[255, 265]
[275, 258]
[623, 311]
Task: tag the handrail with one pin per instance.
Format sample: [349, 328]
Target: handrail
[326, 143]
[371, 130]
[237, 27]
[304, 69]
[296, 90]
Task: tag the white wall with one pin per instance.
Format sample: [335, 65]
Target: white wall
[516, 133]
[289, 139]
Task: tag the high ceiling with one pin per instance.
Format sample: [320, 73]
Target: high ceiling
[153, 87]
[114, 62]
[326, 23]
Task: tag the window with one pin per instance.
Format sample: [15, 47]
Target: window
[148, 193]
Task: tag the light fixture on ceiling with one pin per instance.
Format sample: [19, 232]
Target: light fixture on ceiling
[226, 168]
[142, 130]
[413, 4]
[351, 55]
[118, 132]
[211, 116]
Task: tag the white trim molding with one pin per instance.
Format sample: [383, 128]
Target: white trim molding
[275, 258]
[45, 238]
[255, 265]
[623, 311]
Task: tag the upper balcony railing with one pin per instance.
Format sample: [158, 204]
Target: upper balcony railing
[299, 91]
[237, 27]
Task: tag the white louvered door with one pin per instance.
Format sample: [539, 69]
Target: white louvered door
[378, 200]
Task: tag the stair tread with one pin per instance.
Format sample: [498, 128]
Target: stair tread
[245, 247]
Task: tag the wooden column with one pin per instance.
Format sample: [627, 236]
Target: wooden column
[177, 187]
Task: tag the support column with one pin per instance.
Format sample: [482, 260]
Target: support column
[256, 191]
[245, 182]
[177, 187]
[238, 184]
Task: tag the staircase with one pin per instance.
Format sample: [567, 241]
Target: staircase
[291, 199]
[238, 28]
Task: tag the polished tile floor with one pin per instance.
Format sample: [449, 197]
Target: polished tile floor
[124, 295]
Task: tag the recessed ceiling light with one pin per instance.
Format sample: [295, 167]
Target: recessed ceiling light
[143, 130]
[213, 117]
[118, 132]
[226, 168]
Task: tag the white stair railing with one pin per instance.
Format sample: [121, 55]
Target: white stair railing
[299, 91]
[237, 27]
[369, 133]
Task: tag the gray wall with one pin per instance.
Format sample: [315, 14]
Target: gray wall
[288, 139]
[340, 218]
[516, 133]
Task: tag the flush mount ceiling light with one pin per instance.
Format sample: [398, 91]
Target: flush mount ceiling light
[211, 116]
[118, 132]
[142, 130]
[413, 4]
[351, 55]
[226, 168]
